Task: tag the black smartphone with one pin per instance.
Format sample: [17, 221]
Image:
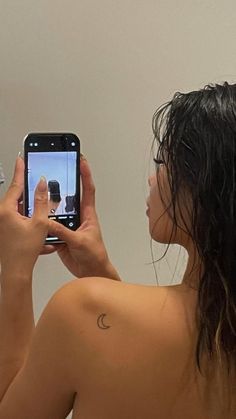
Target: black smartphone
[56, 156]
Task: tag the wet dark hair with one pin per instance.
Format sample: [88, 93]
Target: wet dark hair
[196, 135]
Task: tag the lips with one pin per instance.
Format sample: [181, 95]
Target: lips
[148, 207]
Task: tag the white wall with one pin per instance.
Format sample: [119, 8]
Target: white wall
[100, 69]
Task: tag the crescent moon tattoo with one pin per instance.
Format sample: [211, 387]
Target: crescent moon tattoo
[100, 323]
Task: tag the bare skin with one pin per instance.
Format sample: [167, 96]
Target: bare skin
[143, 364]
[102, 347]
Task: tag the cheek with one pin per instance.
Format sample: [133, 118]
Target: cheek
[160, 223]
[161, 226]
[159, 195]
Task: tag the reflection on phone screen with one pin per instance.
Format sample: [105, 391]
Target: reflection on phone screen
[59, 169]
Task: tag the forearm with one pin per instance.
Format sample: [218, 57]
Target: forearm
[16, 327]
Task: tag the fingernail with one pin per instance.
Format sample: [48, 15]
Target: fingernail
[82, 156]
[42, 186]
[20, 154]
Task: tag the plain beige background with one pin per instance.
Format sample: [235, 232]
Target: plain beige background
[100, 69]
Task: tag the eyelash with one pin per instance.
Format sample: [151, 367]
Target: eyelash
[158, 162]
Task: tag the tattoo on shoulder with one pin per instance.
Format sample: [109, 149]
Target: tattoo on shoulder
[100, 321]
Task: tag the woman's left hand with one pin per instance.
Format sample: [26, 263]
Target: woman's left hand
[21, 238]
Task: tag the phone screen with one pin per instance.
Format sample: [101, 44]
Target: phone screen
[56, 157]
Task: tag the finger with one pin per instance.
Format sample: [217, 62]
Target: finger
[20, 208]
[88, 187]
[41, 200]
[88, 210]
[20, 205]
[63, 233]
[48, 249]
[16, 187]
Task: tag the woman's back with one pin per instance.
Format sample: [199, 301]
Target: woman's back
[143, 364]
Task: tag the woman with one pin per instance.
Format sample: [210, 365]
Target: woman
[108, 349]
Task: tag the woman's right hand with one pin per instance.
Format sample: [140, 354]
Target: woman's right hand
[84, 252]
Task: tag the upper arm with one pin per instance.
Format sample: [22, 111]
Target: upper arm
[45, 387]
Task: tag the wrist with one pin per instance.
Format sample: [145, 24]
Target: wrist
[102, 268]
[111, 272]
[15, 280]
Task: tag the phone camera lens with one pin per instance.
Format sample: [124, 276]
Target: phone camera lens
[52, 144]
[36, 144]
[73, 144]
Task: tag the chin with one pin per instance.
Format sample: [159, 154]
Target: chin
[164, 235]
[160, 238]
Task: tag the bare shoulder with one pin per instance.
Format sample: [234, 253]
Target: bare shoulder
[85, 293]
[94, 293]
[127, 340]
[103, 312]
[112, 318]
[130, 302]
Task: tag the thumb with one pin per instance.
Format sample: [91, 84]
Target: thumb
[41, 199]
[59, 230]
[17, 184]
